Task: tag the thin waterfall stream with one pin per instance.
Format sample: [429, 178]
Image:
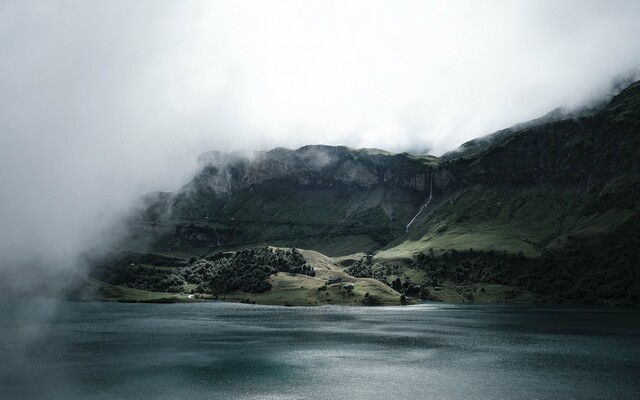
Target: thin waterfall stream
[425, 204]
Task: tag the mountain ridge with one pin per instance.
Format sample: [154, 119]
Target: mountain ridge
[562, 160]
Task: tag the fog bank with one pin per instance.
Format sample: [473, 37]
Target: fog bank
[103, 101]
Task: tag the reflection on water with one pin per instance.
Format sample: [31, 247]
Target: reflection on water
[62, 350]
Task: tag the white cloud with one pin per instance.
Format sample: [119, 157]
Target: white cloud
[104, 100]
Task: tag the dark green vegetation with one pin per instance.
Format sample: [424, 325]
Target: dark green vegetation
[331, 199]
[247, 270]
[260, 275]
[547, 210]
[601, 270]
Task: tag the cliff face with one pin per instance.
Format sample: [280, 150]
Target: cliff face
[312, 166]
[334, 199]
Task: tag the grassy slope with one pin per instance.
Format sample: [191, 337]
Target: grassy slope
[483, 219]
[301, 290]
[519, 219]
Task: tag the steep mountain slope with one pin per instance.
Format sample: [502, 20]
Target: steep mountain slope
[538, 187]
[331, 199]
[478, 145]
[483, 143]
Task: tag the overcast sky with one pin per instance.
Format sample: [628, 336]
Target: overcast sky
[103, 100]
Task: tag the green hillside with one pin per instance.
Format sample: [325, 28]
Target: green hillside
[332, 199]
[533, 190]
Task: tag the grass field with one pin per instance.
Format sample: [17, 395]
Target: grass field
[301, 290]
[508, 219]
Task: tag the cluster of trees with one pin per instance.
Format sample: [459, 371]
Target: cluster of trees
[469, 266]
[363, 269]
[409, 288]
[604, 270]
[247, 270]
[360, 269]
[370, 300]
[146, 277]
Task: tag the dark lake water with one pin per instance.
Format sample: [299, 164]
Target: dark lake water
[63, 350]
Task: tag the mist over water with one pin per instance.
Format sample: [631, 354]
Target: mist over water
[224, 351]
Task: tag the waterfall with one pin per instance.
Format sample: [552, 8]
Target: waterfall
[425, 204]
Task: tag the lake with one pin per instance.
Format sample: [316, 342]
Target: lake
[65, 350]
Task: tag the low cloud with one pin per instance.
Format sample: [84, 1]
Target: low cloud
[104, 101]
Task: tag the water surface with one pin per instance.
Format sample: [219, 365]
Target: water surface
[66, 350]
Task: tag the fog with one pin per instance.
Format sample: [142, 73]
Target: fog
[103, 101]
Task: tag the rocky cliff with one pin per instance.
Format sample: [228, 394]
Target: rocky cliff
[334, 199]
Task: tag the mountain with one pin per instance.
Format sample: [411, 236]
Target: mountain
[332, 199]
[478, 145]
[546, 210]
[540, 185]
